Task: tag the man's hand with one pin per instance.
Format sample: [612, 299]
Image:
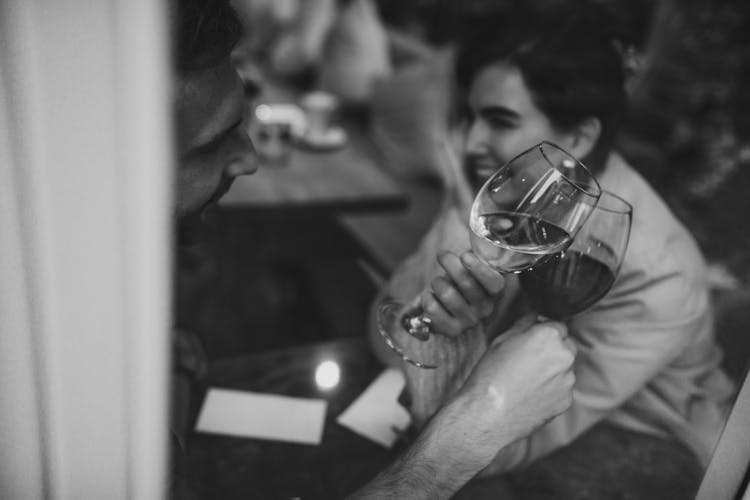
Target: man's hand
[464, 296]
[523, 380]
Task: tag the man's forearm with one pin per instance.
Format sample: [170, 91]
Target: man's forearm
[434, 467]
[414, 475]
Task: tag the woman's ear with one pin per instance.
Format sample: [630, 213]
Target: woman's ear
[585, 136]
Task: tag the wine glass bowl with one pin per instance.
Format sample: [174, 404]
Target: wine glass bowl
[576, 278]
[531, 208]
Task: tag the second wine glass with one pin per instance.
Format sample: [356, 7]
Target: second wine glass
[527, 210]
[578, 277]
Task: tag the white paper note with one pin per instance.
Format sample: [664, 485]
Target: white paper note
[376, 412]
[263, 416]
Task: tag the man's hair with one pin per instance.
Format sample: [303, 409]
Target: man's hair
[204, 33]
[569, 54]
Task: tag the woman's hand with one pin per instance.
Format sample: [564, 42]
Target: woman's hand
[462, 297]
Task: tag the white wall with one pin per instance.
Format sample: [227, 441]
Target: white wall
[84, 236]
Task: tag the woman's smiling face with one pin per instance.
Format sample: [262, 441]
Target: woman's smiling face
[502, 122]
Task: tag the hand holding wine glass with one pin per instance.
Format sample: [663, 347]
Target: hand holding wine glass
[529, 209]
[463, 295]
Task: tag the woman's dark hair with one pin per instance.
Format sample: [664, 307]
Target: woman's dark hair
[569, 54]
[204, 33]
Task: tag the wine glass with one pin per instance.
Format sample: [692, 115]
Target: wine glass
[529, 209]
[576, 278]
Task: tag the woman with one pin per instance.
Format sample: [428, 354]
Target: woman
[648, 363]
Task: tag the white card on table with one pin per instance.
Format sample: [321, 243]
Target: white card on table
[376, 412]
[262, 416]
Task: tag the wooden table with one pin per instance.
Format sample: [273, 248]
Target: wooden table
[386, 239]
[347, 180]
[227, 467]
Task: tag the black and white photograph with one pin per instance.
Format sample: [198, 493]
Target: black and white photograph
[374, 249]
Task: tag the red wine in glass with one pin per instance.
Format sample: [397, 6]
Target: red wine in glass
[576, 278]
[566, 284]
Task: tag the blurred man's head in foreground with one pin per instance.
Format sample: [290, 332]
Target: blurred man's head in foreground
[212, 144]
[551, 71]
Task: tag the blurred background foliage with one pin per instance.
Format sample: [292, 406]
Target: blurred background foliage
[690, 124]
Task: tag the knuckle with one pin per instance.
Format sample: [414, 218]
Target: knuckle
[465, 282]
[456, 328]
[480, 269]
[545, 333]
[557, 330]
[436, 313]
[496, 284]
[445, 257]
[431, 306]
[447, 296]
[535, 337]
[450, 263]
[445, 327]
[470, 260]
[440, 284]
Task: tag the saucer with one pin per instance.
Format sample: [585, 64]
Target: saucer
[290, 115]
[332, 138]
